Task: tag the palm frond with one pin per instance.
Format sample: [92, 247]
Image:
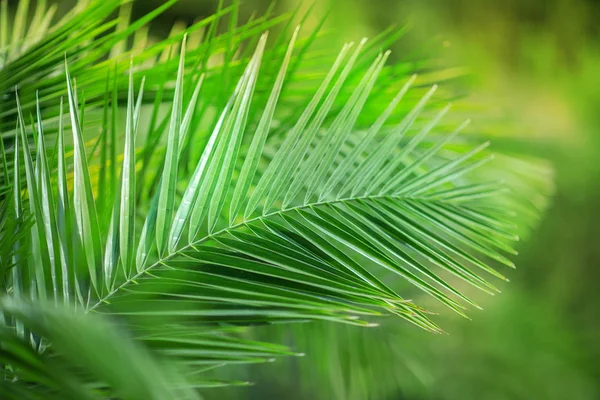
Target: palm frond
[385, 224]
[96, 39]
[90, 358]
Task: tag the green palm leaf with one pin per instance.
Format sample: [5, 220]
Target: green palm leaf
[317, 246]
[90, 359]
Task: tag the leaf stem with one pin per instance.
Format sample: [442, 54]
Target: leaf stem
[208, 237]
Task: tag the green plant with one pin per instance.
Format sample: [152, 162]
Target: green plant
[275, 203]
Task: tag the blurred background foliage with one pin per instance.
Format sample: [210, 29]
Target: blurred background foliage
[532, 82]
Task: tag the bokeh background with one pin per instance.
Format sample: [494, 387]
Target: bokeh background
[532, 75]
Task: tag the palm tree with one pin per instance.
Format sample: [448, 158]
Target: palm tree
[131, 269]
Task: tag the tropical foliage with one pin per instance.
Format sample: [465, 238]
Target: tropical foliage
[187, 189]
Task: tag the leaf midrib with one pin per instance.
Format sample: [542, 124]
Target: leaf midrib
[206, 238]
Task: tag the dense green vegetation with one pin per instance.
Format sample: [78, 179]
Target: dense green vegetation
[177, 211]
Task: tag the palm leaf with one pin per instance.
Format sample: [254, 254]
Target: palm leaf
[380, 227]
[90, 359]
